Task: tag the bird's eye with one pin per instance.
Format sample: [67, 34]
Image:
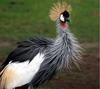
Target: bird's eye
[62, 18]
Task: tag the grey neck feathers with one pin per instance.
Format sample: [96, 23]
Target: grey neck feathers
[66, 49]
[62, 52]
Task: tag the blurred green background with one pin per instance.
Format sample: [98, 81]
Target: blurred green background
[23, 19]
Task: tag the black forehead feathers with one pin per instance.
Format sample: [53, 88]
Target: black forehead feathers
[65, 14]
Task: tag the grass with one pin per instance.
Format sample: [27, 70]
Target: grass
[23, 19]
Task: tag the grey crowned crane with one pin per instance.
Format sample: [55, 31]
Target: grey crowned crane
[36, 60]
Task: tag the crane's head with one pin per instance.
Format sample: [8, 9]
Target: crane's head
[64, 17]
[60, 12]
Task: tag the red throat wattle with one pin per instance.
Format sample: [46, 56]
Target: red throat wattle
[64, 25]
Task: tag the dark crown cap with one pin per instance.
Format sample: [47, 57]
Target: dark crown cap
[65, 14]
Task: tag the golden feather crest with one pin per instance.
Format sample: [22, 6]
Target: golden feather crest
[59, 8]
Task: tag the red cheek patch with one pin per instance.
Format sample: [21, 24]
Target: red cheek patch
[64, 25]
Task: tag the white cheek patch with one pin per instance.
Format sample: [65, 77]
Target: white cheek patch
[62, 18]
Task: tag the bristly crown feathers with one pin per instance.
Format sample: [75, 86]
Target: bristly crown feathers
[59, 8]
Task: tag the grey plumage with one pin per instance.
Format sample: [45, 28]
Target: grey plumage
[64, 50]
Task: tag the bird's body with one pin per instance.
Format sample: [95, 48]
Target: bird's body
[21, 69]
[37, 60]
[22, 73]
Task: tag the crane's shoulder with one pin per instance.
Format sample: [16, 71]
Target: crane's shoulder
[27, 50]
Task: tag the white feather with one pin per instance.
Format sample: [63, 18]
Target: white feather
[25, 71]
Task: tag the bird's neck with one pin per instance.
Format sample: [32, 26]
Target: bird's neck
[64, 37]
[67, 45]
[62, 28]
